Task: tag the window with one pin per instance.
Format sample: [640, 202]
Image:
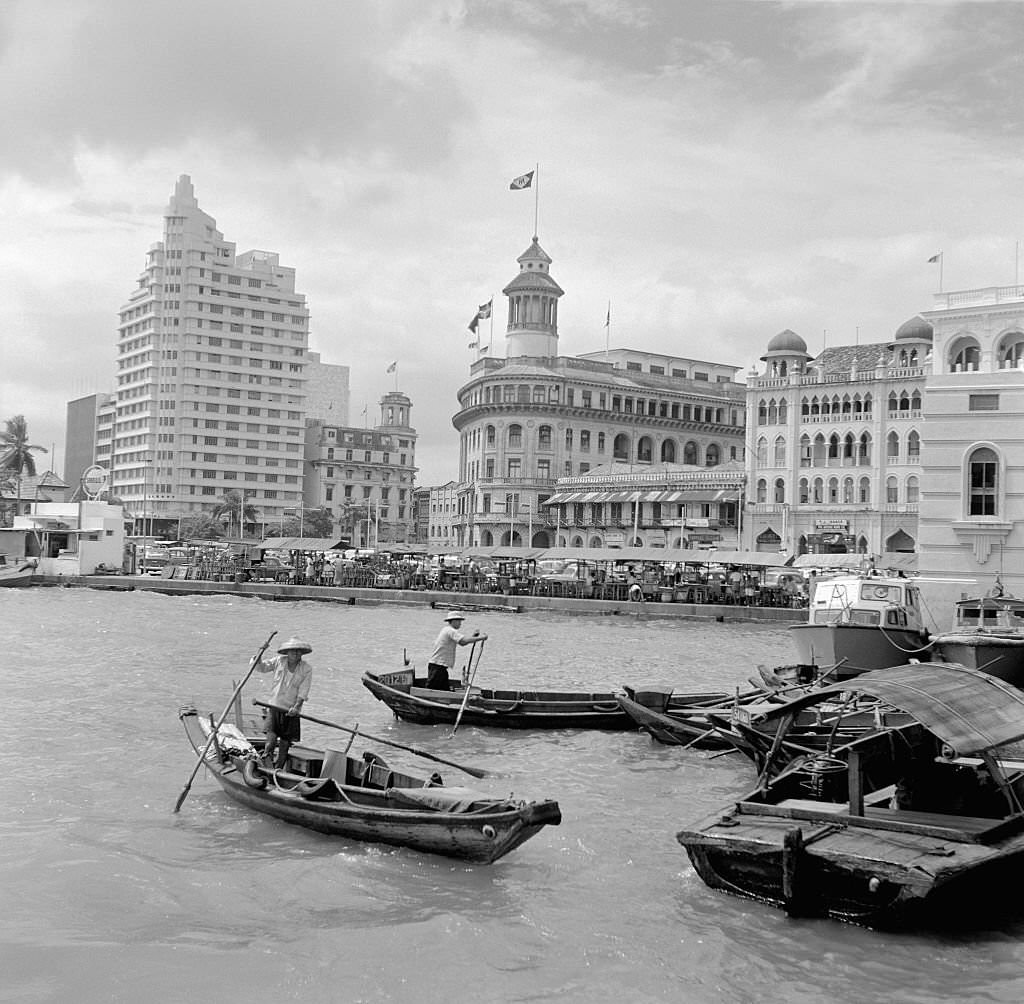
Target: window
[983, 402]
[515, 467]
[891, 491]
[544, 437]
[515, 437]
[983, 473]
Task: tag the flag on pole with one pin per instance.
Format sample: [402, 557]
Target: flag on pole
[482, 313]
[523, 181]
[392, 367]
[934, 258]
[608, 316]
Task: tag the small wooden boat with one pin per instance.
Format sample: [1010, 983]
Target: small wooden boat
[916, 823]
[411, 700]
[862, 621]
[17, 574]
[365, 799]
[987, 634]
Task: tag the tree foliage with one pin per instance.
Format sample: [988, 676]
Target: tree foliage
[202, 526]
[15, 449]
[237, 510]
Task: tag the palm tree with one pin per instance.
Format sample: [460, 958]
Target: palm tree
[202, 526]
[236, 509]
[16, 452]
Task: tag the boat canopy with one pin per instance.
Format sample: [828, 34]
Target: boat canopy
[970, 711]
[857, 562]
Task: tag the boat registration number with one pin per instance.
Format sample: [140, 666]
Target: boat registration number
[404, 678]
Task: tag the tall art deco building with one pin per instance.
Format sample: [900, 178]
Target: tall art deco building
[211, 359]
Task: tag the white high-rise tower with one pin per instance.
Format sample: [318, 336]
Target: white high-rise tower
[211, 354]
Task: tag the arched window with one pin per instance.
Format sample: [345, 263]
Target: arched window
[668, 451]
[903, 358]
[690, 452]
[544, 437]
[864, 449]
[915, 403]
[892, 495]
[805, 407]
[803, 491]
[780, 491]
[1011, 352]
[983, 482]
[892, 445]
[912, 489]
[826, 406]
[773, 412]
[820, 449]
[849, 448]
[805, 450]
[913, 446]
[815, 407]
[713, 455]
[780, 451]
[762, 452]
[818, 491]
[904, 404]
[847, 491]
[833, 491]
[864, 490]
[783, 411]
[568, 440]
[894, 404]
[833, 446]
[600, 442]
[847, 404]
[913, 357]
[858, 405]
[762, 490]
[515, 437]
[966, 355]
[490, 435]
[620, 447]
[867, 405]
[644, 449]
[762, 412]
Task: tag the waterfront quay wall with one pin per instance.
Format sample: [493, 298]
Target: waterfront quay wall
[438, 599]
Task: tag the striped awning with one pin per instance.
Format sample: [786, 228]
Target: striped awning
[665, 495]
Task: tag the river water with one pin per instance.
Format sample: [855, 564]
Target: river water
[106, 895]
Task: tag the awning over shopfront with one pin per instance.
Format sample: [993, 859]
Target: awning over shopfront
[672, 495]
[303, 544]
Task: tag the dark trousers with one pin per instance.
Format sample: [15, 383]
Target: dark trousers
[437, 676]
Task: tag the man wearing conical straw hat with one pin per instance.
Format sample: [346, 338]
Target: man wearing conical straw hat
[292, 679]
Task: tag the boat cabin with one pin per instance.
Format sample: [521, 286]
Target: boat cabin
[868, 600]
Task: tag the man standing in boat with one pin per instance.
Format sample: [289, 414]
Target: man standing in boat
[442, 658]
[292, 679]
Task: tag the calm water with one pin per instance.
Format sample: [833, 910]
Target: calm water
[105, 895]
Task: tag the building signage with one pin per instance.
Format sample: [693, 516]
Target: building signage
[831, 524]
[614, 537]
[94, 480]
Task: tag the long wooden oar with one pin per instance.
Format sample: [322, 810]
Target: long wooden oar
[469, 687]
[475, 771]
[227, 710]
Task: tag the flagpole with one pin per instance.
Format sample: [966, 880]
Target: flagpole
[607, 330]
[490, 336]
[942, 258]
[536, 199]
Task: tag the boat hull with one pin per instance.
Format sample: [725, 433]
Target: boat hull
[834, 879]
[998, 656]
[856, 648]
[481, 835]
[691, 731]
[503, 709]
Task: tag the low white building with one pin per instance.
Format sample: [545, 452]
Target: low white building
[68, 538]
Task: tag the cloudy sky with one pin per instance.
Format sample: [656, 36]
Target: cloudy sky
[717, 170]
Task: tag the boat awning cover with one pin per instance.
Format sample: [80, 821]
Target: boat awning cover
[302, 543]
[970, 711]
[855, 561]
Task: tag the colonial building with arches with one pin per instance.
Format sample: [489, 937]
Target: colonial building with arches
[534, 417]
[834, 445]
[972, 509]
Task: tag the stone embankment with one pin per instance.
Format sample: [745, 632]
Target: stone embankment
[436, 599]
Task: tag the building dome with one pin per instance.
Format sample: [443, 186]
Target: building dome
[917, 328]
[786, 343]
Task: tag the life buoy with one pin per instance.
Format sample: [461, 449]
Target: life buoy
[636, 594]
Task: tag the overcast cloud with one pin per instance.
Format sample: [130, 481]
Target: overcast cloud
[718, 171]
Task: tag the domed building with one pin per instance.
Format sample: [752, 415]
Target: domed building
[535, 418]
[834, 445]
